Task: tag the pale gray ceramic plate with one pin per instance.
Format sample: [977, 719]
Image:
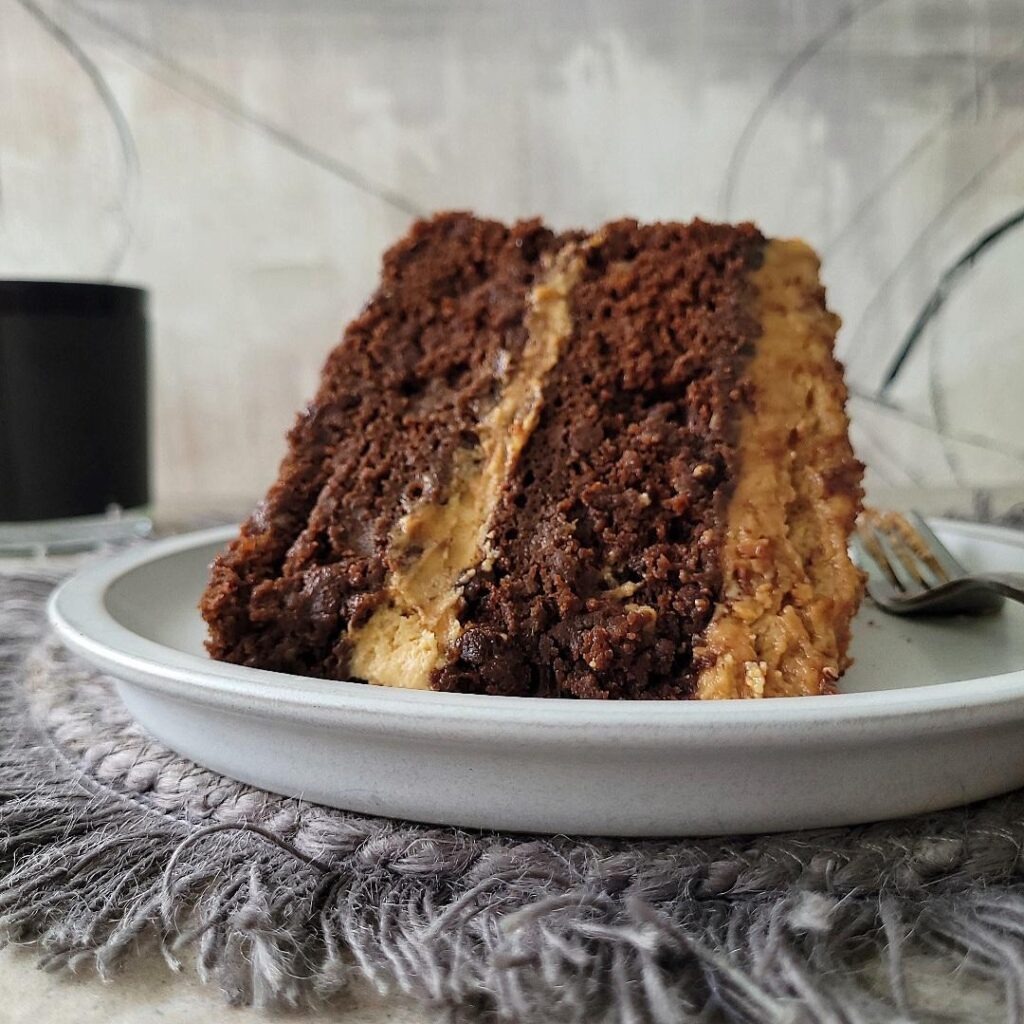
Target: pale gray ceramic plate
[931, 715]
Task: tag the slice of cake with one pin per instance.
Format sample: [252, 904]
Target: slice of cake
[612, 465]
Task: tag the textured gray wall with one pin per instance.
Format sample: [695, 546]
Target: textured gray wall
[250, 161]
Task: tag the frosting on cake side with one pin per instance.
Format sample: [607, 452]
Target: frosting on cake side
[789, 590]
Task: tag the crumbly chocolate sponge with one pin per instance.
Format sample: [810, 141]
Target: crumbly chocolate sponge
[611, 465]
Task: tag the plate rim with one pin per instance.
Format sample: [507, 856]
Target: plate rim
[78, 613]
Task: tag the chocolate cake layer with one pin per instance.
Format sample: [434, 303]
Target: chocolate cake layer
[408, 385]
[606, 466]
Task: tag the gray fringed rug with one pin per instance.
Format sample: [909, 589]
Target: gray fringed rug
[108, 839]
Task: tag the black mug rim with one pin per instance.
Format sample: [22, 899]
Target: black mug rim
[72, 298]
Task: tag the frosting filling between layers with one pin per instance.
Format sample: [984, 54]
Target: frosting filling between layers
[789, 589]
[436, 544]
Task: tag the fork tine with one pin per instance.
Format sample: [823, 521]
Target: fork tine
[923, 567]
[942, 555]
[880, 583]
[913, 550]
[903, 576]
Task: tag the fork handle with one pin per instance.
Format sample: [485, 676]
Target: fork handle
[1009, 584]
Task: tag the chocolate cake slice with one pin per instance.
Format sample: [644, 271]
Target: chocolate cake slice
[612, 465]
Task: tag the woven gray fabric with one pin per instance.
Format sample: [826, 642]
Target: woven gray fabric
[107, 838]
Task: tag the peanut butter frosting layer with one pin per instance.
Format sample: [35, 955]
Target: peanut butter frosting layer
[789, 591]
[607, 466]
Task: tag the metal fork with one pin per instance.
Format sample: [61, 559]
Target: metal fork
[911, 572]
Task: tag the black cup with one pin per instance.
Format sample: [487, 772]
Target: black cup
[74, 410]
